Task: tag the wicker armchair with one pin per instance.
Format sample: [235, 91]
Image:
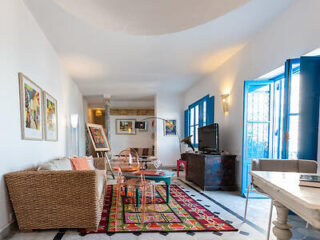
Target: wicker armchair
[57, 199]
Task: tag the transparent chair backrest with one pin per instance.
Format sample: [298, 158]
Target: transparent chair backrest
[128, 160]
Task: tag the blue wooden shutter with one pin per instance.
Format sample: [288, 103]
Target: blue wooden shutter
[186, 123]
[309, 108]
[210, 110]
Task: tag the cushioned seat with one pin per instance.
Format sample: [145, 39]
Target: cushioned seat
[284, 165]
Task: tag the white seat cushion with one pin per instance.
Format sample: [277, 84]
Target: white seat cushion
[101, 180]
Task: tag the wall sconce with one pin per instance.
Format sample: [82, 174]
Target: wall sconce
[225, 101]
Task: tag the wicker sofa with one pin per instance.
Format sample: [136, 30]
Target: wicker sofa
[58, 199]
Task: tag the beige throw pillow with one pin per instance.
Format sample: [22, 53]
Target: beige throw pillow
[56, 165]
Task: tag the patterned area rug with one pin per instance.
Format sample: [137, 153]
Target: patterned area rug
[181, 214]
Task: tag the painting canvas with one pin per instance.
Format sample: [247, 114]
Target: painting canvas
[30, 109]
[50, 117]
[125, 126]
[98, 137]
[170, 127]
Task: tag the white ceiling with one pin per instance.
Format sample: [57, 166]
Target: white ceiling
[130, 49]
[147, 17]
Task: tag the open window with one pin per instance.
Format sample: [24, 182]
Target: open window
[200, 113]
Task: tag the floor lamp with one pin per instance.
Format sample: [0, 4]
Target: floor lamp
[75, 130]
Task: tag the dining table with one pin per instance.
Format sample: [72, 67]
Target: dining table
[286, 194]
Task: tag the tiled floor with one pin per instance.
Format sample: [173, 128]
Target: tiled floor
[227, 205]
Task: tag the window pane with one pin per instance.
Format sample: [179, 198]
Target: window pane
[196, 134]
[257, 140]
[197, 114]
[295, 93]
[204, 113]
[258, 104]
[293, 136]
[192, 133]
[192, 116]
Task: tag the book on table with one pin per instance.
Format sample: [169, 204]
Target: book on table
[309, 180]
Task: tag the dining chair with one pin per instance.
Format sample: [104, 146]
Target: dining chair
[128, 160]
[121, 184]
[277, 165]
[139, 187]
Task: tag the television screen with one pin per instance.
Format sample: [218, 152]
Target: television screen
[209, 138]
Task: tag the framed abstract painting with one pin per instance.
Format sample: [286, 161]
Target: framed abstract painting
[30, 109]
[50, 117]
[98, 137]
[125, 126]
[170, 127]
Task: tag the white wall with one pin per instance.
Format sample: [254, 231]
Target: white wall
[140, 140]
[292, 34]
[24, 48]
[168, 106]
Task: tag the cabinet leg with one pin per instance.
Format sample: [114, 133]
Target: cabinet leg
[281, 227]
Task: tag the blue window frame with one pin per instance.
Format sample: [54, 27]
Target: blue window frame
[290, 110]
[291, 113]
[199, 114]
[261, 126]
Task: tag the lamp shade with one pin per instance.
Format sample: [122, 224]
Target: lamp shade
[225, 102]
[74, 120]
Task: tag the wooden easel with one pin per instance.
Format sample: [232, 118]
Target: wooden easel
[105, 155]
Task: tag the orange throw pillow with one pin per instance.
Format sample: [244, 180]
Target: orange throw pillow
[80, 163]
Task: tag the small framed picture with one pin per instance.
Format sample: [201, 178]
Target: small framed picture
[142, 126]
[125, 126]
[30, 109]
[170, 127]
[98, 137]
[50, 117]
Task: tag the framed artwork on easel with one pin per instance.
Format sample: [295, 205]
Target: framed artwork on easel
[98, 137]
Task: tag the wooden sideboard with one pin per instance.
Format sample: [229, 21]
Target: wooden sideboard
[211, 172]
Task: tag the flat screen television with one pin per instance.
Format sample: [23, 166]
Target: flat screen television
[209, 139]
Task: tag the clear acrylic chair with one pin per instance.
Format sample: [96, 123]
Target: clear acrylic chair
[128, 161]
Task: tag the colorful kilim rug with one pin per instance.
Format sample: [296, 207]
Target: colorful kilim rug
[181, 214]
